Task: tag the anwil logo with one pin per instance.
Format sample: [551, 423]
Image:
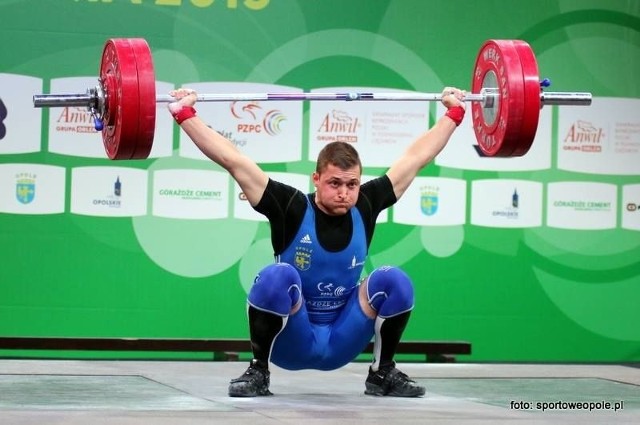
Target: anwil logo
[583, 136]
[339, 126]
[75, 120]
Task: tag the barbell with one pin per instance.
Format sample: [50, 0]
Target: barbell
[506, 95]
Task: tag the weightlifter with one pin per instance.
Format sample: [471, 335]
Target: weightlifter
[311, 309]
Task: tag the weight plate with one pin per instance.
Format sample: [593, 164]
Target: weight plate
[497, 126]
[532, 103]
[146, 98]
[119, 78]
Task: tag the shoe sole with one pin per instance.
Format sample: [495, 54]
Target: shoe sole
[254, 394]
[375, 391]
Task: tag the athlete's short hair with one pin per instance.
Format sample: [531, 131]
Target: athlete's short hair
[340, 154]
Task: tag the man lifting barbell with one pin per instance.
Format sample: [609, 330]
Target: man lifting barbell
[309, 310]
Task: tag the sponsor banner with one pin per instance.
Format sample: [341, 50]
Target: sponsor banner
[72, 128]
[243, 210]
[109, 191]
[20, 122]
[266, 131]
[581, 205]
[379, 130]
[432, 201]
[190, 194]
[506, 203]
[32, 189]
[601, 139]
[631, 206]
[463, 151]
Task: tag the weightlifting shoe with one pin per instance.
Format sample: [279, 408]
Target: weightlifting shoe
[389, 381]
[253, 382]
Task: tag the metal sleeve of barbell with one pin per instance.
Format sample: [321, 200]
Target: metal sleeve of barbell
[568, 98]
[61, 100]
[320, 96]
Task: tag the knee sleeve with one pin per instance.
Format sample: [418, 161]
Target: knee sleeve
[390, 291]
[276, 289]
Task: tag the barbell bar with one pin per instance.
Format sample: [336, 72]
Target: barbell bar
[89, 98]
[506, 98]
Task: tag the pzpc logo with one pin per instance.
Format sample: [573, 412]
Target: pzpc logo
[253, 119]
[633, 207]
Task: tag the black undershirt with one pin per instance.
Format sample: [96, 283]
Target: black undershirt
[285, 206]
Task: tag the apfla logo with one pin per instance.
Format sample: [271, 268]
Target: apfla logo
[338, 126]
[3, 116]
[25, 187]
[429, 200]
[253, 119]
[583, 136]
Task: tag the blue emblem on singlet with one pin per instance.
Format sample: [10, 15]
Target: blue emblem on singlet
[328, 278]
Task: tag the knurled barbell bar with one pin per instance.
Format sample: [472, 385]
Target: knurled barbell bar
[506, 96]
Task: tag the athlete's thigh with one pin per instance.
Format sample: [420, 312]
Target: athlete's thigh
[295, 347]
[350, 333]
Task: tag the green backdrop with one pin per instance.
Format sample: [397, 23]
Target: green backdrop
[72, 275]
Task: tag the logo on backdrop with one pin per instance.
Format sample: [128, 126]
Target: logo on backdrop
[429, 200]
[3, 115]
[338, 126]
[253, 119]
[583, 136]
[583, 205]
[75, 120]
[510, 212]
[113, 200]
[25, 187]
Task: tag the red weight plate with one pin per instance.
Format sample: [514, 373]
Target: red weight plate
[119, 77]
[498, 128]
[146, 98]
[532, 103]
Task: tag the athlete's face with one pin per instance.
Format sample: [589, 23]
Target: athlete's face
[336, 189]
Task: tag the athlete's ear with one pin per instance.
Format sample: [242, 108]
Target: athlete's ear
[316, 178]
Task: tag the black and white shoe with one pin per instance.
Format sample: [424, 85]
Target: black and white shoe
[253, 382]
[389, 381]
